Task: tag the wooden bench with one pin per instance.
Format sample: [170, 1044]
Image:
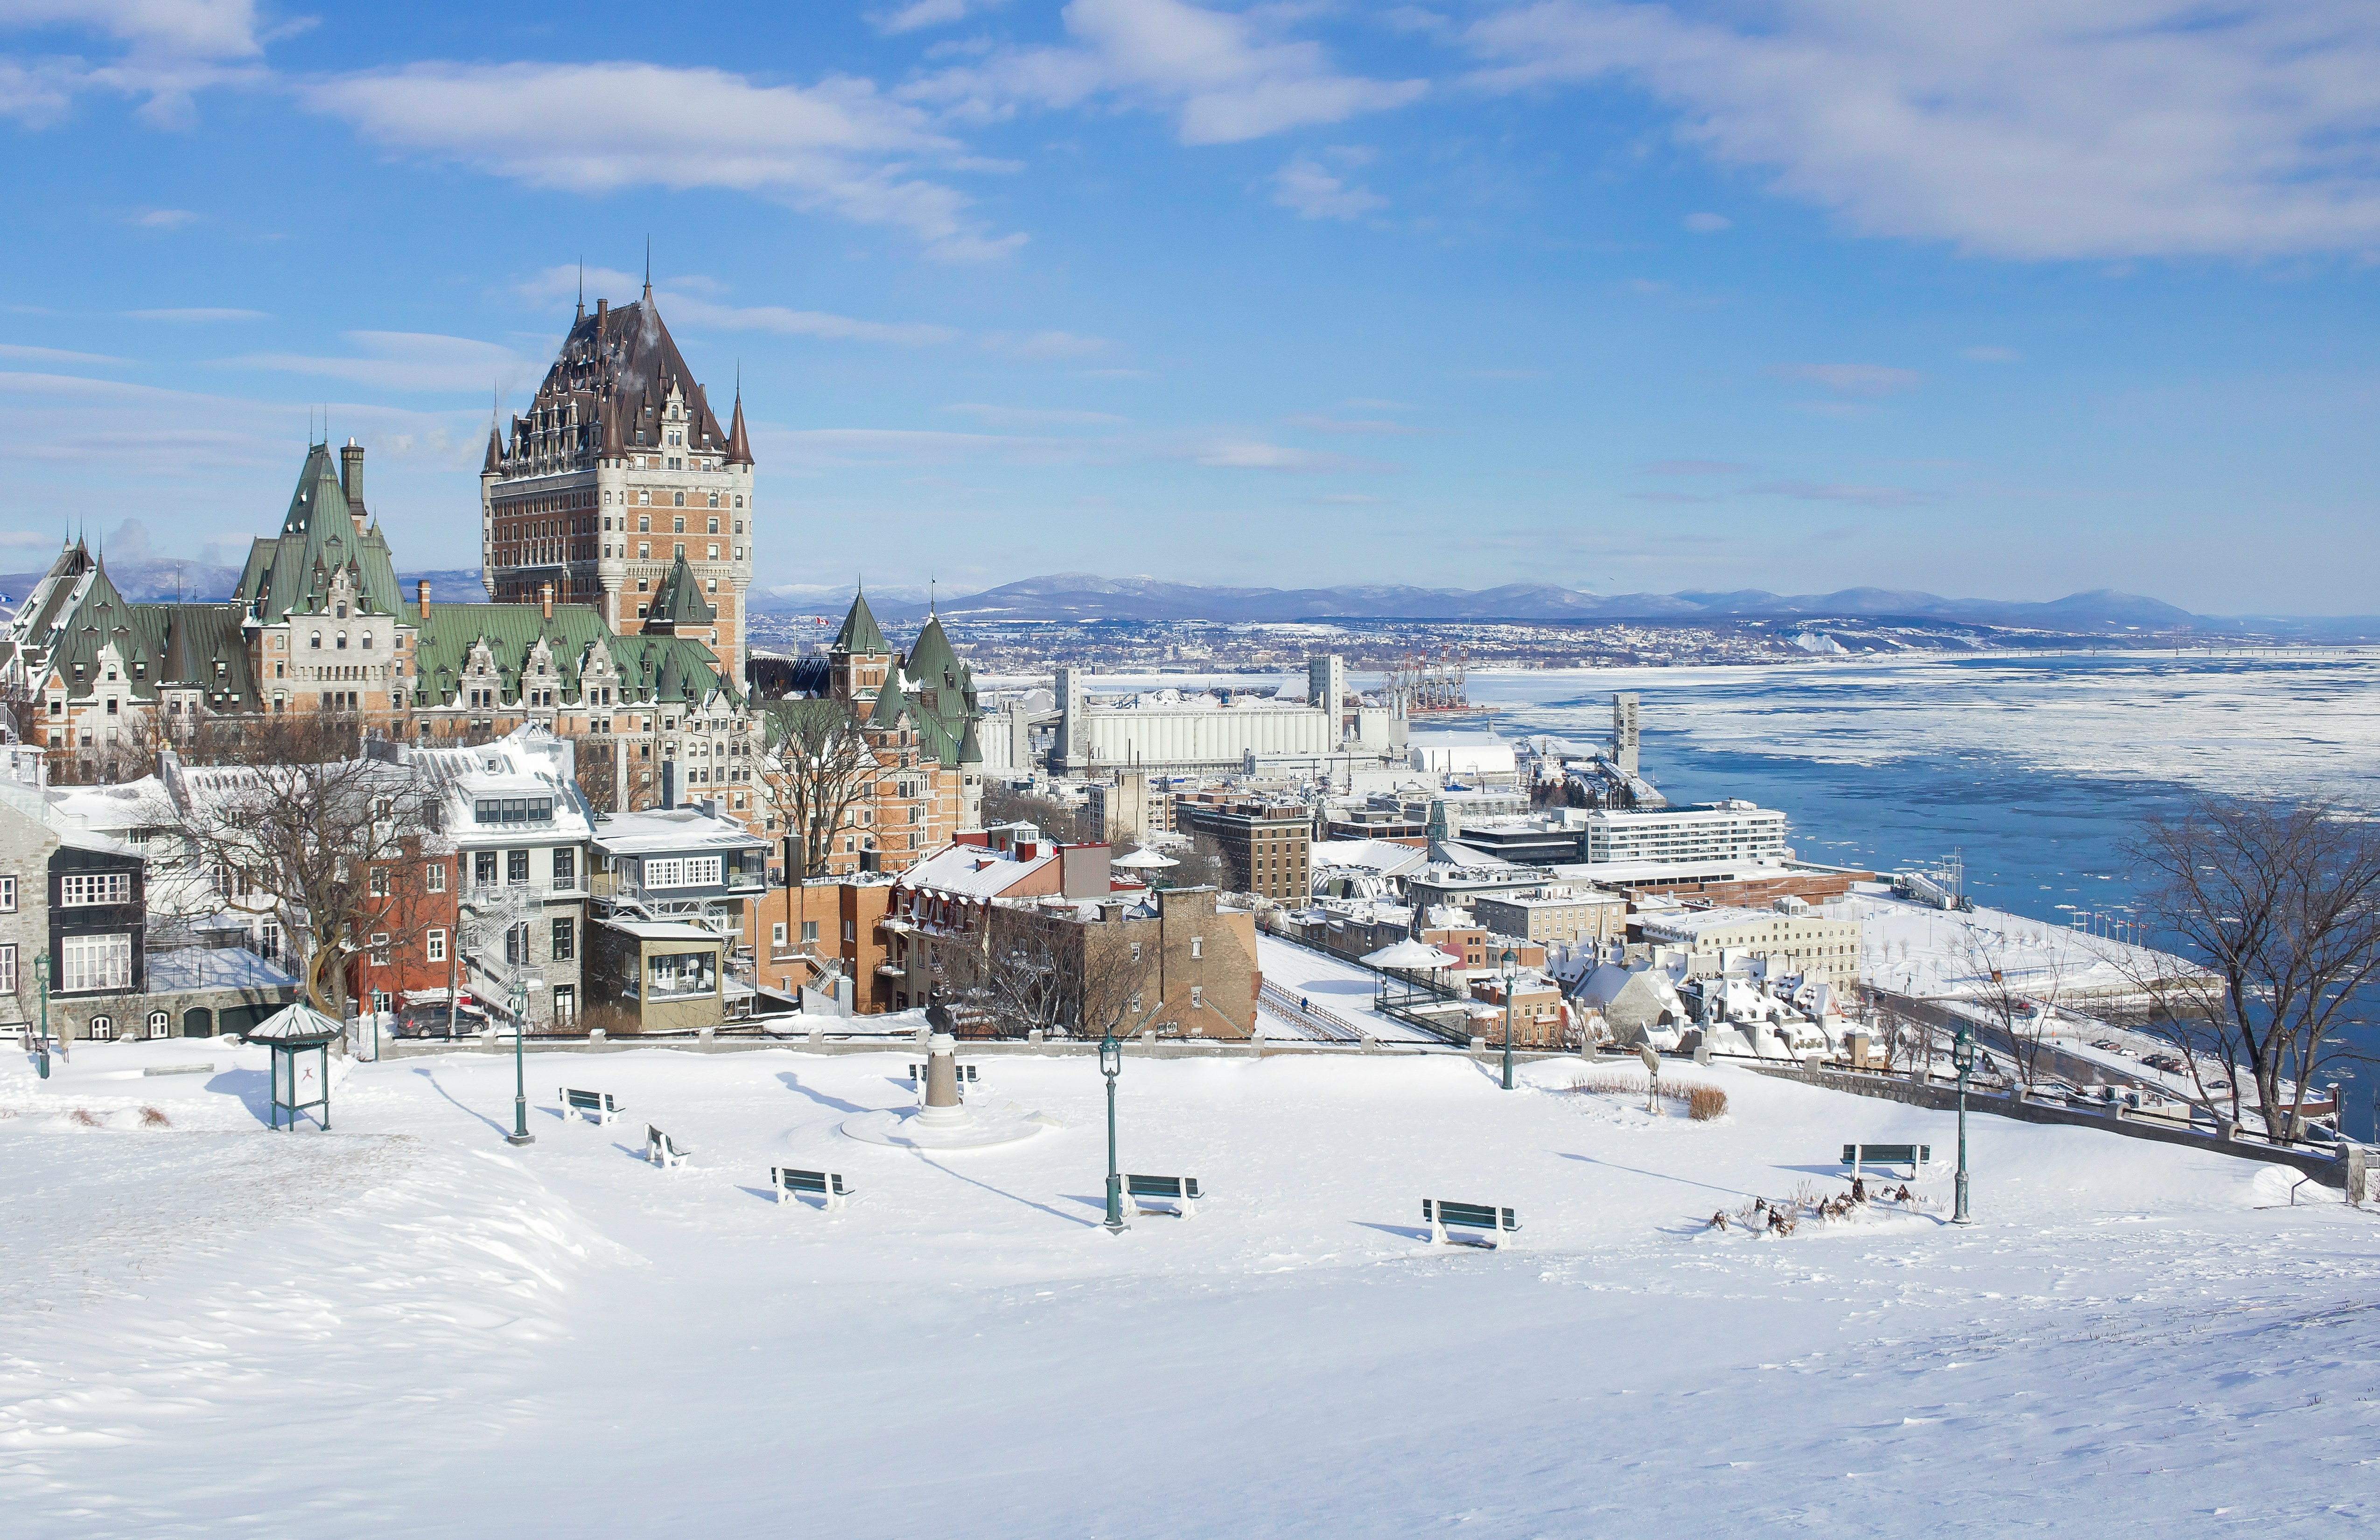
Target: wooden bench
[598, 1105]
[1914, 1157]
[1497, 1222]
[1181, 1190]
[825, 1184]
[661, 1150]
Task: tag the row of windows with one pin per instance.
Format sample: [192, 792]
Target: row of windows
[85, 888]
[678, 500]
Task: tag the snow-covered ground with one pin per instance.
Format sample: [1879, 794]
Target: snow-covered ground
[404, 1327]
[1343, 988]
[1913, 949]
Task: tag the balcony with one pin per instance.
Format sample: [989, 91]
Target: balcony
[493, 893]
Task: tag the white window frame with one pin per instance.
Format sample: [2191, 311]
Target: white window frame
[7, 895]
[87, 890]
[97, 963]
[436, 942]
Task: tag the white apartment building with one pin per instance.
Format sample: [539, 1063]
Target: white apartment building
[1811, 946]
[1734, 830]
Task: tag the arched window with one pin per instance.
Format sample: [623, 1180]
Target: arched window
[101, 1028]
[343, 642]
[343, 609]
[739, 500]
[680, 499]
[314, 639]
[161, 1024]
[367, 642]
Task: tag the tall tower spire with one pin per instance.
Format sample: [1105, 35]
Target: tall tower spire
[648, 269]
[582, 288]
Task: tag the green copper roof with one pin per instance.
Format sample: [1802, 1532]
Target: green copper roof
[292, 573]
[680, 600]
[650, 669]
[859, 635]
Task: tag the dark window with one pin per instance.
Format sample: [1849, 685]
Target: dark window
[565, 868]
[515, 866]
[483, 868]
[566, 939]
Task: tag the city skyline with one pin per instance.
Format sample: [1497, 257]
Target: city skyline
[1624, 298]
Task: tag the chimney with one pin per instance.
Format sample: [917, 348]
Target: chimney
[545, 599]
[351, 480]
[603, 310]
[422, 591]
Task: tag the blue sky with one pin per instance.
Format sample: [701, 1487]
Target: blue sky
[1622, 297]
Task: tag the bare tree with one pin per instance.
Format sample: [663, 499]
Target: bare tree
[299, 839]
[815, 765]
[1022, 981]
[596, 763]
[2281, 908]
[2018, 987]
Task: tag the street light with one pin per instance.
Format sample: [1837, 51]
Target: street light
[520, 1133]
[42, 973]
[1511, 961]
[1962, 1056]
[1111, 1064]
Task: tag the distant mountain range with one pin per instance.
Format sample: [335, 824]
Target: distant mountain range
[1084, 595]
[1081, 596]
[145, 580]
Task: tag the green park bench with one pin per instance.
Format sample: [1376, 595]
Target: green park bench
[789, 1183]
[1914, 1157]
[661, 1150]
[598, 1105]
[1181, 1190]
[1499, 1223]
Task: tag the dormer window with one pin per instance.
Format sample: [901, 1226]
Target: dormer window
[343, 609]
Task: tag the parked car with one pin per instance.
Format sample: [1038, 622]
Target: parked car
[430, 1021]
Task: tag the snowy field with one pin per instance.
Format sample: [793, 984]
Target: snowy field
[405, 1328]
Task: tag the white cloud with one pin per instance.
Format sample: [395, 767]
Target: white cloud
[1258, 454]
[563, 282]
[198, 313]
[171, 49]
[2025, 128]
[1377, 426]
[1707, 224]
[176, 28]
[1853, 379]
[1227, 74]
[165, 219]
[1315, 193]
[1046, 345]
[928, 13]
[839, 146]
[408, 361]
[55, 355]
[1031, 417]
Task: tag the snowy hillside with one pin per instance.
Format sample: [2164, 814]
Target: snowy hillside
[405, 1328]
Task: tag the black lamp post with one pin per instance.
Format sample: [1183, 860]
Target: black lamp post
[1111, 1064]
[1511, 961]
[520, 1133]
[1962, 1056]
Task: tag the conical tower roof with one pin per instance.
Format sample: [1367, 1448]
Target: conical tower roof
[860, 635]
[739, 447]
[680, 601]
